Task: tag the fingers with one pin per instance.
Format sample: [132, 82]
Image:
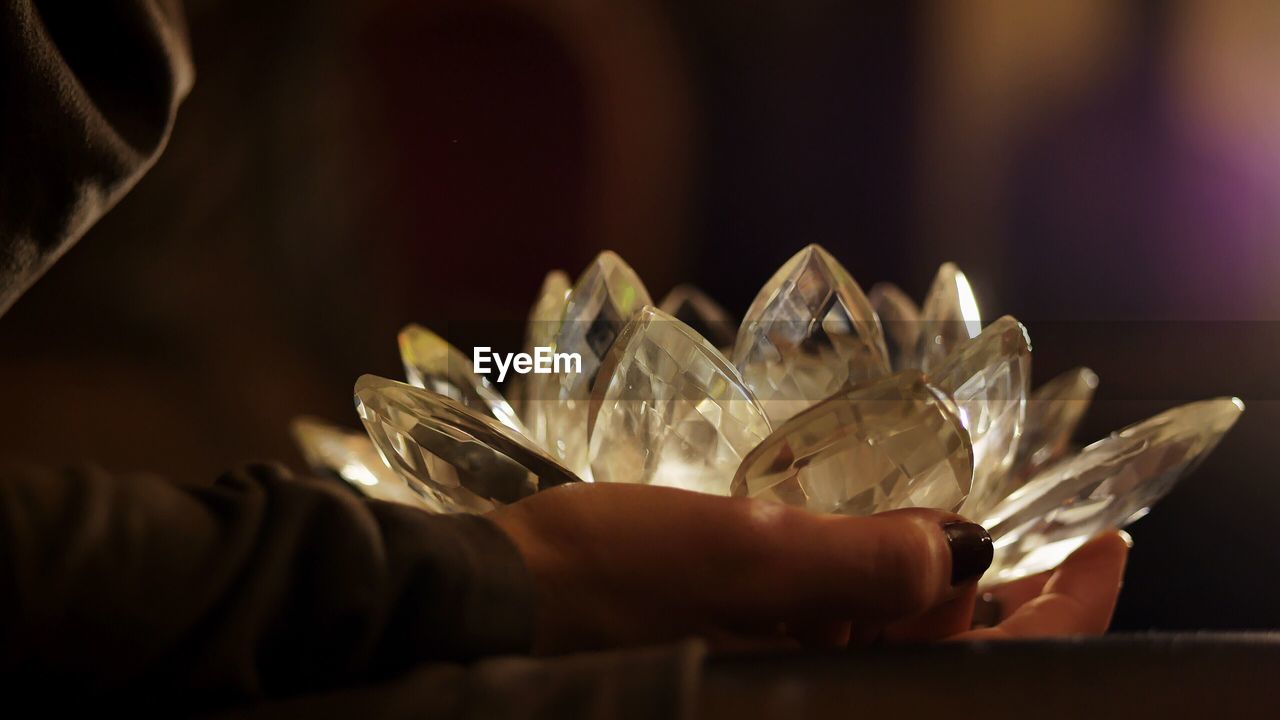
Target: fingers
[1077, 599]
[1014, 595]
[1005, 599]
[676, 562]
[943, 621]
[1092, 577]
[872, 570]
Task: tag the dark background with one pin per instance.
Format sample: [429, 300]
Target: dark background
[1107, 172]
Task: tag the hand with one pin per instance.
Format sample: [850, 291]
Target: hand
[1077, 598]
[631, 564]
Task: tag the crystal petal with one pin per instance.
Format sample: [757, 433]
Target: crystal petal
[433, 364]
[351, 457]
[548, 309]
[1054, 411]
[432, 440]
[606, 296]
[809, 332]
[668, 409]
[543, 324]
[1105, 486]
[949, 317]
[889, 443]
[900, 320]
[696, 309]
[988, 375]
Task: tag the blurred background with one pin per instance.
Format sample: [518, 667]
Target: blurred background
[1107, 172]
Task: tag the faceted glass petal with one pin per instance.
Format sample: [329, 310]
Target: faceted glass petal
[351, 457]
[668, 409]
[889, 443]
[809, 332]
[606, 296]
[433, 364]
[900, 319]
[696, 309]
[1107, 485]
[548, 309]
[543, 324]
[1054, 411]
[988, 377]
[949, 317]
[434, 441]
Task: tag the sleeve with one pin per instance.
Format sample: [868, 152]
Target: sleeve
[88, 93]
[269, 595]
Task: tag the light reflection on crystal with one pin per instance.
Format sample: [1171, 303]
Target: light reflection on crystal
[948, 317]
[669, 409]
[809, 332]
[606, 296]
[988, 378]
[1054, 411]
[351, 457]
[889, 443]
[432, 440]
[900, 320]
[433, 364]
[1105, 486]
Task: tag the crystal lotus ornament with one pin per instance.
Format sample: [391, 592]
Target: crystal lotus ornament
[602, 301]
[900, 319]
[949, 316]
[351, 456]
[540, 331]
[474, 461]
[889, 443]
[988, 375]
[1107, 485]
[548, 309]
[694, 308]
[433, 364]
[808, 403]
[1054, 411]
[669, 409]
[809, 331]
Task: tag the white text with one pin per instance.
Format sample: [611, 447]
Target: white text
[541, 362]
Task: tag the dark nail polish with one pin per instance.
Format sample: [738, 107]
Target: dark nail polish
[970, 551]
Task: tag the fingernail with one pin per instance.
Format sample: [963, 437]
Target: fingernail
[970, 551]
[1127, 538]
